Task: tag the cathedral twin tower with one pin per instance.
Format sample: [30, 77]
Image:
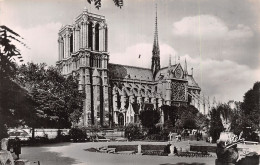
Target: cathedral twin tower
[83, 53]
[115, 94]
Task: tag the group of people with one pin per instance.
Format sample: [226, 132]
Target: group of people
[178, 137]
[199, 135]
[14, 146]
[186, 133]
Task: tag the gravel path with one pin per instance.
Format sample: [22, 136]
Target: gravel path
[74, 154]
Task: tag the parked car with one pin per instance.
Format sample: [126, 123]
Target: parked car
[21, 134]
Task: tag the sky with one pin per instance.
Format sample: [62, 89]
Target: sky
[220, 39]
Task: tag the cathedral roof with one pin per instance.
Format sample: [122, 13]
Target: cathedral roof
[163, 72]
[117, 71]
[192, 82]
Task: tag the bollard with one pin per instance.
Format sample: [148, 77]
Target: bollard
[171, 151]
[139, 150]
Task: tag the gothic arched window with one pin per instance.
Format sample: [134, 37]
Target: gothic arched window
[91, 61]
[97, 36]
[90, 35]
[62, 48]
[106, 35]
[71, 43]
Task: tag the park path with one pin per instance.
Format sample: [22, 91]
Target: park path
[74, 154]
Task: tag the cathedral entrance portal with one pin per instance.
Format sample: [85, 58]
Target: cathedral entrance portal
[120, 119]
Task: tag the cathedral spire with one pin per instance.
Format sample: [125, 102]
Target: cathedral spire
[156, 42]
[156, 51]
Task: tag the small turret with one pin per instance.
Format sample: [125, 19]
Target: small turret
[170, 61]
[185, 69]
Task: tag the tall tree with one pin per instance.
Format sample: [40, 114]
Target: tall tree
[16, 104]
[216, 126]
[251, 106]
[9, 53]
[149, 117]
[58, 99]
[184, 117]
[97, 3]
[170, 114]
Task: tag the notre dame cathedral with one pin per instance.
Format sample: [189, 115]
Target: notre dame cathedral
[115, 94]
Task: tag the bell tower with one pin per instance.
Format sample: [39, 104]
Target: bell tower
[156, 50]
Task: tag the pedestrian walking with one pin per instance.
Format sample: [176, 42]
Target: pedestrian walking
[17, 147]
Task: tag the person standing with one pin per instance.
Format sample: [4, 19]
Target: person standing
[210, 139]
[10, 145]
[17, 147]
[170, 136]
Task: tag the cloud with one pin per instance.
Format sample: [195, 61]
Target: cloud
[215, 40]
[131, 55]
[42, 40]
[226, 80]
[241, 31]
[210, 27]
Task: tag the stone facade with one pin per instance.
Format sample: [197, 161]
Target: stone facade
[116, 93]
[83, 53]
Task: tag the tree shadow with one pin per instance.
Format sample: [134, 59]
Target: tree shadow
[45, 156]
[50, 158]
[184, 164]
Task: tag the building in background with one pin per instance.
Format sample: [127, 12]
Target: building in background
[115, 94]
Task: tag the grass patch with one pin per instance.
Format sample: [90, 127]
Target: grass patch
[203, 148]
[153, 147]
[154, 152]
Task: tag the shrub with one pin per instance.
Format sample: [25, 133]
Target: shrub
[154, 130]
[164, 134]
[133, 132]
[250, 135]
[153, 137]
[61, 137]
[149, 118]
[77, 134]
[38, 140]
[168, 125]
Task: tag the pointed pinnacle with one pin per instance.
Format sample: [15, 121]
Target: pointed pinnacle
[156, 42]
